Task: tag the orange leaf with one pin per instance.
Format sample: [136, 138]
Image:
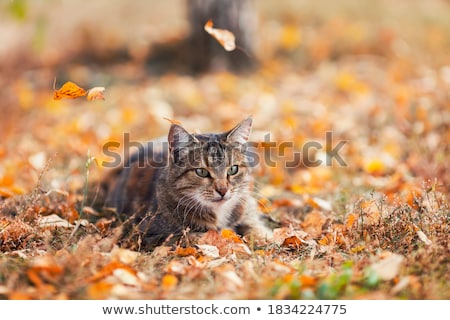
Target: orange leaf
[350, 220]
[184, 252]
[99, 290]
[224, 37]
[69, 90]
[324, 241]
[230, 235]
[169, 281]
[108, 270]
[96, 93]
[292, 242]
[307, 281]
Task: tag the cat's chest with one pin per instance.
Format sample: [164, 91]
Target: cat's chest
[227, 213]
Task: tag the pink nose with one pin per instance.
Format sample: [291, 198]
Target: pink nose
[222, 190]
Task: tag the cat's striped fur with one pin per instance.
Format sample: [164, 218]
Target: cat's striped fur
[197, 182]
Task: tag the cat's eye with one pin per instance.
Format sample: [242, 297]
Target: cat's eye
[202, 172]
[233, 170]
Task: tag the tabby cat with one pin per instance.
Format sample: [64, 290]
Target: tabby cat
[195, 182]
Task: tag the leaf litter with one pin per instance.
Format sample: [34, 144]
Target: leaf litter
[376, 227]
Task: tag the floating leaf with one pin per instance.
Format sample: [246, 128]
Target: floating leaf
[96, 93]
[224, 37]
[69, 90]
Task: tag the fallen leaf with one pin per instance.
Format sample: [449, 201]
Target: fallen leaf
[323, 204]
[96, 93]
[281, 234]
[169, 281]
[126, 276]
[109, 269]
[209, 250]
[422, 236]
[54, 221]
[184, 252]
[99, 290]
[350, 220]
[224, 37]
[124, 255]
[230, 235]
[402, 284]
[69, 90]
[293, 242]
[176, 267]
[388, 268]
[241, 249]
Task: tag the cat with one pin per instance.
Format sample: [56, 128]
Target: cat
[194, 182]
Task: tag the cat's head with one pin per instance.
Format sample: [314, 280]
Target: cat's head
[210, 168]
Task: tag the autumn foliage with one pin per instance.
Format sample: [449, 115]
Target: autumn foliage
[374, 228]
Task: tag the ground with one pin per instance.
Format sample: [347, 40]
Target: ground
[366, 85]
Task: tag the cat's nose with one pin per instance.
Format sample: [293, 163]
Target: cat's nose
[222, 190]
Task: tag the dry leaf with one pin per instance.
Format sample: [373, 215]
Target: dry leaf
[281, 234]
[176, 267]
[422, 236]
[224, 37]
[169, 281]
[54, 221]
[292, 242]
[230, 235]
[109, 269]
[388, 268]
[124, 255]
[69, 90]
[350, 220]
[184, 252]
[96, 93]
[126, 276]
[209, 250]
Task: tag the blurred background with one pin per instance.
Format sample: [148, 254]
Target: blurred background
[375, 73]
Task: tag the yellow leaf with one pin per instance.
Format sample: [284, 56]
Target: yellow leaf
[224, 37]
[290, 37]
[324, 241]
[375, 167]
[357, 249]
[346, 81]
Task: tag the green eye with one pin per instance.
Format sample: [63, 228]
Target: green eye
[202, 172]
[233, 170]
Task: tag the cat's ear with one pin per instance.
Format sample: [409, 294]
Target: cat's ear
[241, 132]
[179, 137]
